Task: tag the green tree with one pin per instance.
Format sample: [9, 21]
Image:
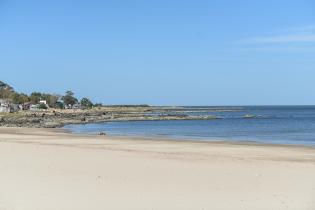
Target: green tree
[6, 91]
[5, 86]
[43, 106]
[35, 97]
[51, 99]
[24, 98]
[85, 102]
[19, 98]
[69, 98]
[98, 105]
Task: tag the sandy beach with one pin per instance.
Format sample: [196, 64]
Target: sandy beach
[48, 169]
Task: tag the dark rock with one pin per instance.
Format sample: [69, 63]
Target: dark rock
[102, 133]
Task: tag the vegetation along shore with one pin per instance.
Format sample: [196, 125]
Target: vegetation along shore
[52, 110]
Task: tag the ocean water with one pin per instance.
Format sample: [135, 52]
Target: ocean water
[265, 124]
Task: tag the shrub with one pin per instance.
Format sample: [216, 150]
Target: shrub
[42, 106]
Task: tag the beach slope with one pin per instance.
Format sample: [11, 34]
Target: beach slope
[52, 170]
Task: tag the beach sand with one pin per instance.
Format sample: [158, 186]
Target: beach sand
[51, 170]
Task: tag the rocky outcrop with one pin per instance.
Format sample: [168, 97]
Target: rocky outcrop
[59, 118]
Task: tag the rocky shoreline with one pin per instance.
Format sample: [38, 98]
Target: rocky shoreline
[56, 118]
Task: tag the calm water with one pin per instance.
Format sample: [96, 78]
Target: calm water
[272, 124]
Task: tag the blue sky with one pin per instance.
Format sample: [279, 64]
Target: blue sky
[162, 52]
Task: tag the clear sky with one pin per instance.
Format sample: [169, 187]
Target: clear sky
[162, 52]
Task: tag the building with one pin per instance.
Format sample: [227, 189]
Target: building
[43, 102]
[26, 106]
[4, 106]
[34, 107]
[76, 106]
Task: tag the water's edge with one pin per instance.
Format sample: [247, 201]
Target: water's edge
[293, 125]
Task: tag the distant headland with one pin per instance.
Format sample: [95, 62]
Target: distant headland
[52, 110]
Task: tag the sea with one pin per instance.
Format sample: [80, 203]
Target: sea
[294, 125]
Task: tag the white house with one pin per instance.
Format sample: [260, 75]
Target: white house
[4, 106]
[43, 102]
[5, 109]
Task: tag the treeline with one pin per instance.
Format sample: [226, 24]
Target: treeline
[52, 100]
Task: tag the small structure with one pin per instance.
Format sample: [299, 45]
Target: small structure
[6, 106]
[43, 102]
[14, 107]
[60, 104]
[26, 106]
[76, 106]
[34, 107]
[38, 107]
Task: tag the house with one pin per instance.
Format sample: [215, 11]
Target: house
[44, 102]
[6, 106]
[60, 104]
[76, 106]
[26, 106]
[38, 107]
[14, 107]
[34, 107]
[68, 106]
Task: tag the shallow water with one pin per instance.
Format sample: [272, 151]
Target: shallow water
[266, 124]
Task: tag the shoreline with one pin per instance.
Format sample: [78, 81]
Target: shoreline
[188, 139]
[148, 139]
[56, 118]
[165, 139]
[191, 140]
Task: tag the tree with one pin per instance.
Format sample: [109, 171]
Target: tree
[24, 98]
[5, 86]
[42, 106]
[69, 98]
[19, 98]
[35, 97]
[51, 99]
[98, 105]
[86, 103]
[6, 91]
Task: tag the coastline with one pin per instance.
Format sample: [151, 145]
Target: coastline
[165, 139]
[56, 118]
[186, 139]
[53, 169]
